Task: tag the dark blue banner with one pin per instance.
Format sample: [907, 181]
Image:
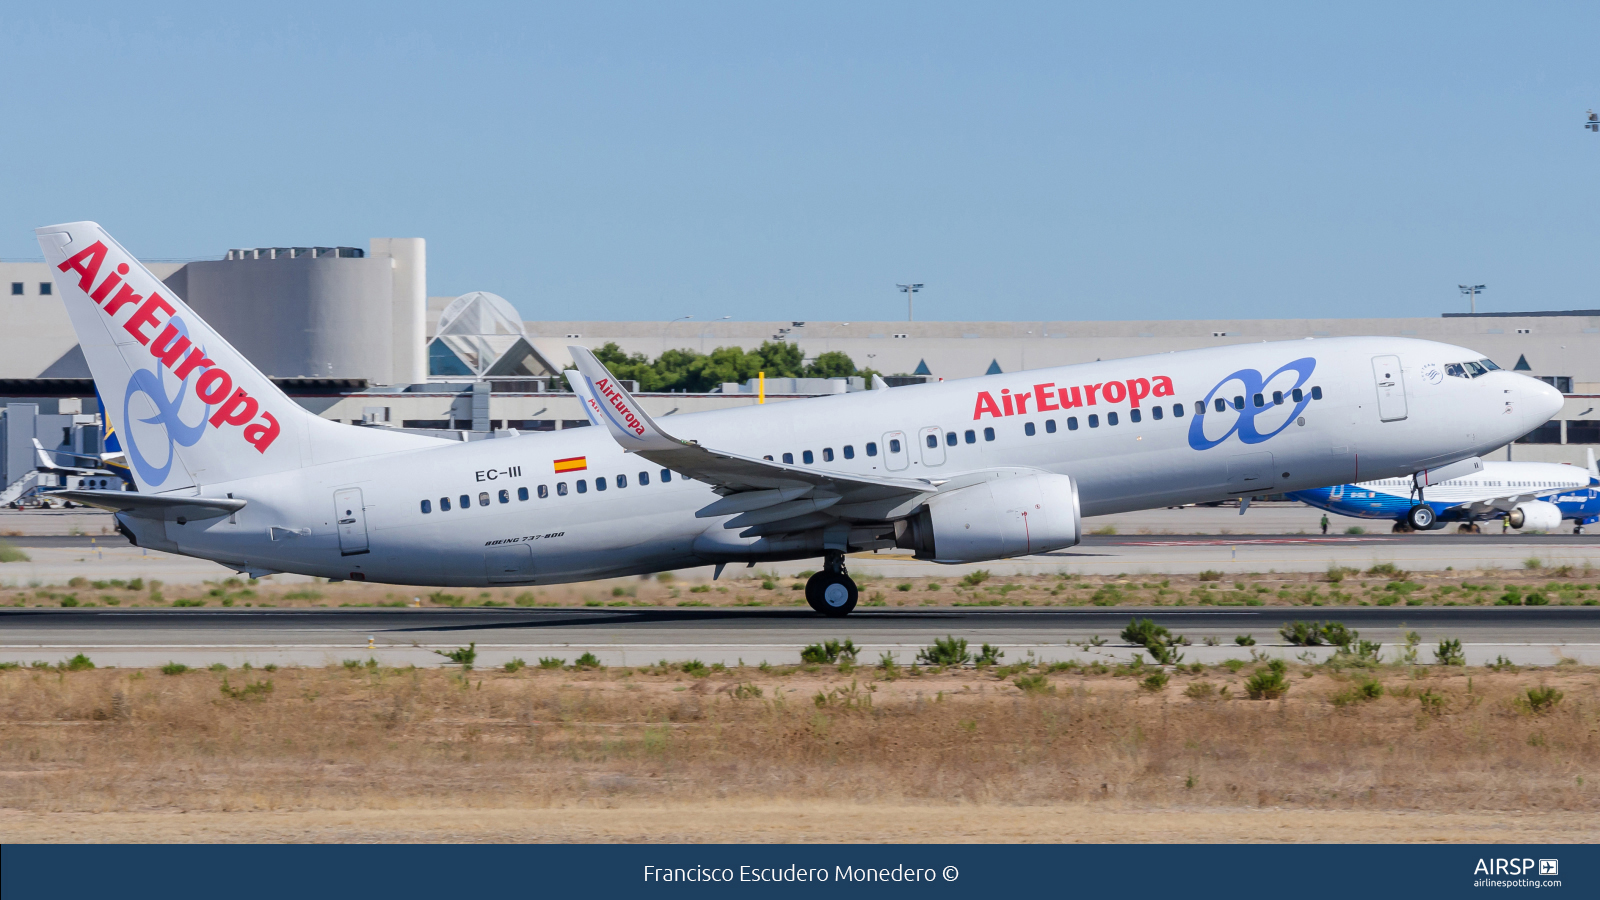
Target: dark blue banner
[965, 870]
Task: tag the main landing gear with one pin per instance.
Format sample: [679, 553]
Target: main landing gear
[1420, 517]
[831, 592]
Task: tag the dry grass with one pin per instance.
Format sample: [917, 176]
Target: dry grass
[1563, 586]
[139, 745]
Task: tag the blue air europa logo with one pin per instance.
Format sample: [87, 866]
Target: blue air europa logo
[1250, 384]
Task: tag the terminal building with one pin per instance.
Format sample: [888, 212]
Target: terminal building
[352, 334]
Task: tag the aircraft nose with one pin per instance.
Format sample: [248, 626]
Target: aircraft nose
[1547, 401]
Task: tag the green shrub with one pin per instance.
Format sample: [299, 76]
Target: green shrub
[1542, 698]
[1154, 682]
[695, 667]
[187, 603]
[1389, 571]
[1157, 640]
[1533, 562]
[516, 664]
[586, 661]
[525, 598]
[904, 586]
[1355, 529]
[1337, 634]
[1200, 690]
[551, 662]
[989, 655]
[1267, 684]
[1302, 634]
[79, 663]
[1448, 653]
[9, 553]
[450, 600]
[256, 691]
[1210, 575]
[69, 600]
[746, 691]
[975, 577]
[1432, 702]
[1359, 693]
[173, 668]
[1033, 684]
[829, 652]
[1245, 640]
[462, 656]
[1536, 598]
[946, 651]
[932, 586]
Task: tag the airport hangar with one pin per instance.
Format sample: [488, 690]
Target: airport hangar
[351, 334]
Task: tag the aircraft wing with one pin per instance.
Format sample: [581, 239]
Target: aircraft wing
[762, 491]
[155, 506]
[1493, 505]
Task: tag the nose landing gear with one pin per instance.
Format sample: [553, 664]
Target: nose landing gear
[831, 591]
[1420, 517]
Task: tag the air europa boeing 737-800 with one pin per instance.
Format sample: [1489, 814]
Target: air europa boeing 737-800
[230, 469]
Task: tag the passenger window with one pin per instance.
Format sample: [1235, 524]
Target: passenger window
[1111, 418]
[483, 498]
[561, 488]
[466, 501]
[1027, 428]
[933, 441]
[522, 493]
[1072, 423]
[894, 445]
[544, 492]
[1221, 404]
[788, 458]
[1050, 426]
[583, 485]
[872, 448]
[1260, 401]
[1133, 415]
[768, 457]
[1156, 413]
[827, 454]
[427, 506]
[1316, 393]
[644, 478]
[666, 475]
[972, 436]
[1277, 398]
[599, 483]
[849, 451]
[622, 481]
[1238, 403]
[806, 457]
[444, 504]
[1296, 395]
[1094, 420]
[950, 438]
[988, 434]
[1177, 410]
[505, 496]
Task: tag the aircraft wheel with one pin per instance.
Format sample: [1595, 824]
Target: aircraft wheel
[1421, 517]
[831, 593]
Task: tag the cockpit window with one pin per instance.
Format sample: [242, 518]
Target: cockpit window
[1488, 364]
[1470, 369]
[1455, 370]
[1474, 369]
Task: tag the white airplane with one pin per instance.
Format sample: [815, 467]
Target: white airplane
[1533, 495]
[230, 469]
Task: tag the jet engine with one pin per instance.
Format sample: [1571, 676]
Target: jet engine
[1012, 516]
[1535, 515]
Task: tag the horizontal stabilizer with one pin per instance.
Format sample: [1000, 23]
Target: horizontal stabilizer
[156, 506]
[1454, 470]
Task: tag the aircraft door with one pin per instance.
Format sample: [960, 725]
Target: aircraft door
[1251, 473]
[352, 519]
[1391, 388]
[509, 564]
[896, 455]
[932, 441]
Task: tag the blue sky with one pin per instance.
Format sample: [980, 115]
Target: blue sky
[1025, 161]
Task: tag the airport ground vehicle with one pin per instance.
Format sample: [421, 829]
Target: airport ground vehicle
[230, 469]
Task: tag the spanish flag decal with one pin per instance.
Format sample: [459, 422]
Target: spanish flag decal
[572, 464]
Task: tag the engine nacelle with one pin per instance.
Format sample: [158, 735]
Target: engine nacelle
[1011, 516]
[1535, 515]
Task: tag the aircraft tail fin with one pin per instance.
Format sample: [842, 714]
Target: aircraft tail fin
[1593, 471]
[187, 407]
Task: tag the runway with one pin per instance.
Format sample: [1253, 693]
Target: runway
[632, 637]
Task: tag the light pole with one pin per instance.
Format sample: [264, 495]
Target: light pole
[703, 335]
[668, 324]
[1472, 291]
[908, 290]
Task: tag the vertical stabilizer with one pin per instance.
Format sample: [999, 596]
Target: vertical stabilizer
[187, 408]
[1593, 472]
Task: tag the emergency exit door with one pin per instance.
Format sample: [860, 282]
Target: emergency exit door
[352, 519]
[1391, 388]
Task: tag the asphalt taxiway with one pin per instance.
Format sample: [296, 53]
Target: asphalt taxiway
[625, 636]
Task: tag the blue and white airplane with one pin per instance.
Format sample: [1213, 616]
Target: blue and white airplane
[1532, 495]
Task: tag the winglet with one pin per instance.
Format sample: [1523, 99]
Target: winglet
[608, 402]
